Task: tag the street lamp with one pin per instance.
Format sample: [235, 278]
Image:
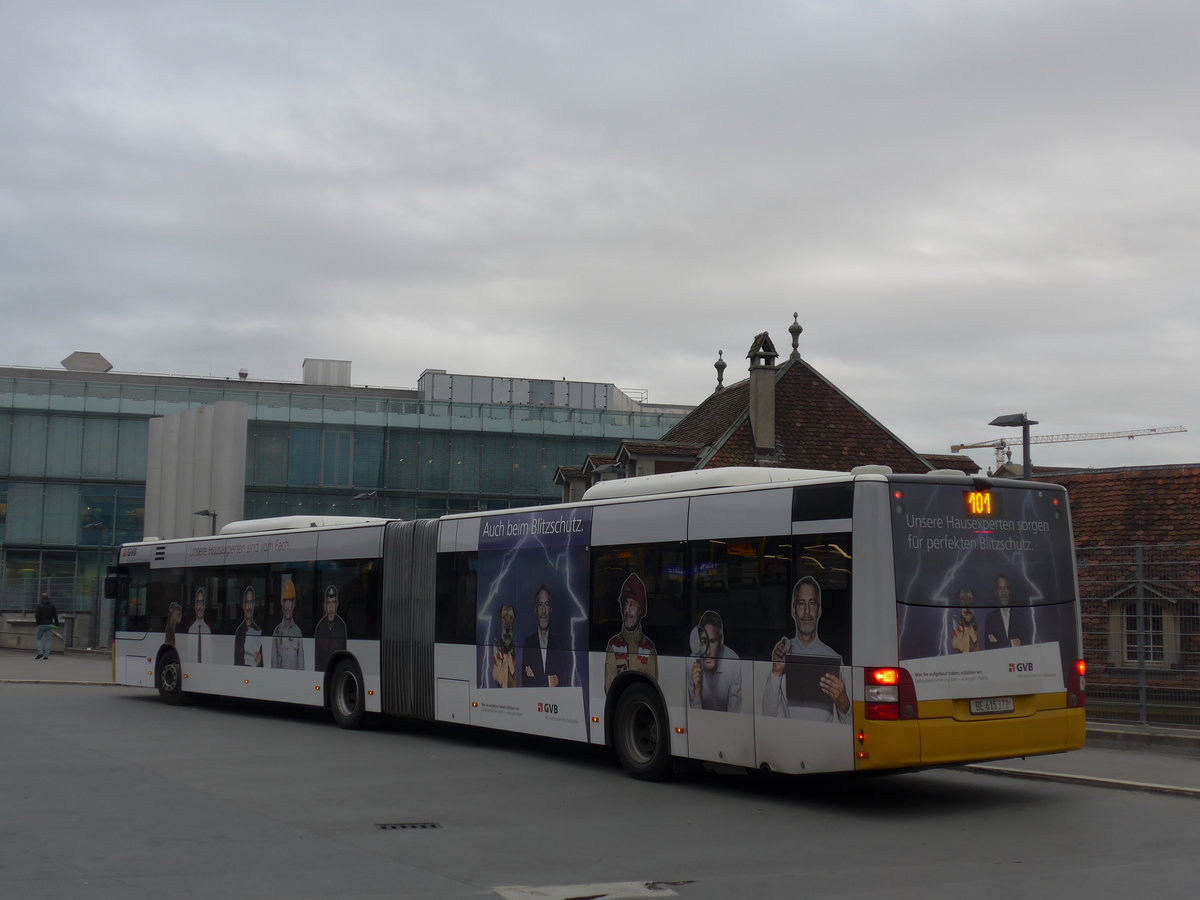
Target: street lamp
[94, 623]
[1023, 420]
[373, 496]
[212, 514]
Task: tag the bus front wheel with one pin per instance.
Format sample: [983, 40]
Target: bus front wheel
[347, 701]
[168, 678]
[640, 734]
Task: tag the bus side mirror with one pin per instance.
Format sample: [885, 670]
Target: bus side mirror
[110, 587]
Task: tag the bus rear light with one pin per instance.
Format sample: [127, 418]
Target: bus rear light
[890, 694]
[1077, 685]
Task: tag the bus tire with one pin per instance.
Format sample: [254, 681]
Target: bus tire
[168, 679]
[347, 697]
[640, 735]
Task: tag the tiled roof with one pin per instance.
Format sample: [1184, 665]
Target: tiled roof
[661, 448]
[562, 473]
[1122, 507]
[816, 427]
[597, 459]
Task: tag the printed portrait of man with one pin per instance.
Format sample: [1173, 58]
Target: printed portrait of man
[247, 639]
[816, 692]
[630, 649]
[330, 634]
[544, 657]
[714, 678]
[287, 642]
[199, 634]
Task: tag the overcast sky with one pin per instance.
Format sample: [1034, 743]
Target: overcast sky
[976, 208]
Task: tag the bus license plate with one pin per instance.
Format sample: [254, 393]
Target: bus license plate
[986, 706]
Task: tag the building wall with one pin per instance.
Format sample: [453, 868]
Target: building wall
[73, 458]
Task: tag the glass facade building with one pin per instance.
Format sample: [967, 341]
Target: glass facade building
[73, 459]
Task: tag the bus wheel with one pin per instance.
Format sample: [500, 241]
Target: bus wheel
[347, 701]
[640, 734]
[168, 678]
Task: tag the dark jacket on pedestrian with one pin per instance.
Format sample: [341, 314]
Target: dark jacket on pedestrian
[47, 613]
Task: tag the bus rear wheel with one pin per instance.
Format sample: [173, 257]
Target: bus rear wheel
[347, 700]
[168, 678]
[640, 735]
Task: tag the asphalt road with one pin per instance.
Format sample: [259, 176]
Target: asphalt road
[110, 794]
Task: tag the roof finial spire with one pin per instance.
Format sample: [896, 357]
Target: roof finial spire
[795, 328]
[720, 365]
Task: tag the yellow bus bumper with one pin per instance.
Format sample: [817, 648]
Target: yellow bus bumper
[946, 733]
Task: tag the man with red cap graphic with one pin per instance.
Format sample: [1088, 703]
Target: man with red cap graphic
[630, 649]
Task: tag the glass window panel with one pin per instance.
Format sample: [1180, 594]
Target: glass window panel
[250, 398]
[95, 515]
[29, 444]
[464, 416]
[1151, 638]
[103, 397]
[272, 407]
[171, 400]
[307, 408]
[5, 440]
[60, 524]
[304, 456]
[464, 473]
[202, 397]
[67, 395]
[335, 458]
[3, 509]
[24, 513]
[496, 463]
[130, 514]
[338, 410]
[268, 462]
[557, 420]
[435, 414]
[99, 451]
[435, 462]
[6, 393]
[131, 448]
[370, 412]
[403, 453]
[404, 413]
[137, 399]
[368, 459]
[64, 446]
[31, 394]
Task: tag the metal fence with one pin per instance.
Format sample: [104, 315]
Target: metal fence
[1141, 633]
[70, 593]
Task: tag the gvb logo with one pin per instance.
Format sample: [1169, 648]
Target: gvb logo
[1020, 667]
[548, 708]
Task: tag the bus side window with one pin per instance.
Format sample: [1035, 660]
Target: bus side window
[456, 598]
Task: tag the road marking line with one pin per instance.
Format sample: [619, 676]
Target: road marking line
[609, 891]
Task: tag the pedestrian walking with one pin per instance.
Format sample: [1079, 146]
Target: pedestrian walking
[47, 620]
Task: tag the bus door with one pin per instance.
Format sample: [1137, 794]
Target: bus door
[804, 692]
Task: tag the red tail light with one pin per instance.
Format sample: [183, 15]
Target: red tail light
[889, 694]
[1077, 685]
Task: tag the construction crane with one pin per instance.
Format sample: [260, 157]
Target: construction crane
[1003, 454]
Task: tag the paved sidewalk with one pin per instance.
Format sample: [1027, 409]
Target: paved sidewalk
[1128, 757]
[63, 667]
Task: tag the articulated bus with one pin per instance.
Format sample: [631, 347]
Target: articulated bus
[793, 621]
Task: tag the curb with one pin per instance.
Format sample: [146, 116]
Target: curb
[1133, 737]
[1035, 775]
